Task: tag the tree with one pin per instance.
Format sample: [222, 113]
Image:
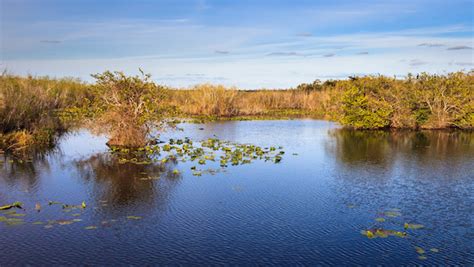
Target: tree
[364, 108]
[127, 108]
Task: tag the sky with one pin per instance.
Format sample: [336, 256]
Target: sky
[250, 44]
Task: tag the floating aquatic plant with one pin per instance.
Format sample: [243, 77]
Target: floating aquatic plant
[134, 217]
[202, 152]
[383, 233]
[16, 204]
[413, 226]
[420, 250]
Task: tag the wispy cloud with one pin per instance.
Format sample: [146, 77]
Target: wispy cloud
[50, 41]
[430, 45]
[304, 34]
[417, 62]
[363, 53]
[279, 54]
[222, 52]
[465, 64]
[202, 5]
[460, 47]
[329, 55]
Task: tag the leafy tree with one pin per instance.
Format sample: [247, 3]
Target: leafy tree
[127, 108]
[362, 110]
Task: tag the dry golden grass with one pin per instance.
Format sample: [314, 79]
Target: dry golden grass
[210, 100]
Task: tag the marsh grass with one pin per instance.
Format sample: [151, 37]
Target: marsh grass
[29, 109]
[207, 100]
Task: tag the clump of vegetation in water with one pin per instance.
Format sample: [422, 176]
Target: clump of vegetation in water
[127, 108]
[212, 150]
[13, 218]
[379, 231]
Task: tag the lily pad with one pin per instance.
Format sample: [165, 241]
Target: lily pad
[17, 214]
[64, 222]
[382, 233]
[92, 227]
[413, 226]
[14, 221]
[419, 250]
[392, 214]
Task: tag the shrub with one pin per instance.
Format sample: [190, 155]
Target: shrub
[362, 110]
[127, 108]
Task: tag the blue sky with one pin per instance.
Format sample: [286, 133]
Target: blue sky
[249, 44]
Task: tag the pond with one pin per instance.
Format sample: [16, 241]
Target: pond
[413, 191]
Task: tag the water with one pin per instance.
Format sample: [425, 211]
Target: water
[308, 209]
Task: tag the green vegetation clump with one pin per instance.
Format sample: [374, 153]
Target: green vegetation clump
[361, 109]
[425, 101]
[127, 108]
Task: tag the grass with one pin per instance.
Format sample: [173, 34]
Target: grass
[29, 109]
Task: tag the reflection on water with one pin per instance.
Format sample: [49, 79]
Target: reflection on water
[383, 147]
[23, 173]
[308, 209]
[124, 183]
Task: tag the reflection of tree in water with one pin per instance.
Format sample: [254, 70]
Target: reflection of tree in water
[123, 184]
[386, 165]
[352, 147]
[23, 173]
[380, 148]
[425, 174]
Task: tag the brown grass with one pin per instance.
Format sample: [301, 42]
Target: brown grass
[218, 101]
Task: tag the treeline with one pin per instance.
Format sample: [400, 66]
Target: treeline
[36, 110]
[423, 101]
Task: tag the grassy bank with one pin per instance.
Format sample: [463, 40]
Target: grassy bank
[30, 110]
[34, 110]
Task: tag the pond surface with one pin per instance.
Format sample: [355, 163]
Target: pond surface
[310, 208]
